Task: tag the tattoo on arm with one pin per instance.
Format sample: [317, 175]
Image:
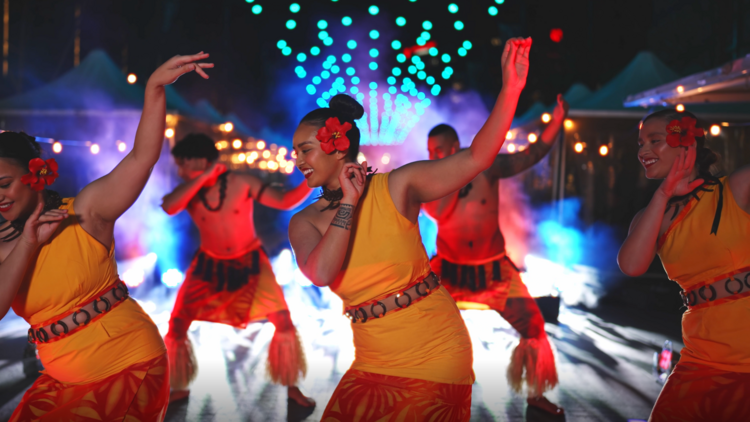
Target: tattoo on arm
[344, 217]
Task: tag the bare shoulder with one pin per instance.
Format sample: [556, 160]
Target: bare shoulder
[306, 216]
[739, 183]
[244, 178]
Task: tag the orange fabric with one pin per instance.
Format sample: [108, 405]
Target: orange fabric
[696, 392]
[714, 336]
[67, 272]
[199, 300]
[366, 397]
[426, 341]
[140, 393]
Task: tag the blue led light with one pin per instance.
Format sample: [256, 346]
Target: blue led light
[350, 71]
[322, 35]
[257, 9]
[453, 8]
[421, 96]
[281, 44]
[301, 57]
[335, 69]
[316, 80]
[427, 25]
[462, 52]
[413, 92]
[355, 80]
[354, 90]
[448, 70]
[421, 41]
[322, 24]
[393, 90]
[492, 11]
[458, 25]
[401, 58]
[360, 97]
[325, 74]
[374, 52]
[499, 1]
[433, 51]
[294, 7]
[412, 69]
[446, 58]
[416, 59]
[435, 90]
[301, 74]
[286, 51]
[396, 44]
[311, 89]
[291, 24]
[351, 44]
[467, 45]
[430, 80]
[346, 58]
[420, 65]
[328, 42]
[346, 21]
[391, 80]
[315, 50]
[421, 74]
[325, 95]
[331, 59]
[373, 10]
[373, 85]
[397, 71]
[327, 65]
[373, 65]
[322, 103]
[425, 35]
[374, 34]
[341, 88]
[400, 21]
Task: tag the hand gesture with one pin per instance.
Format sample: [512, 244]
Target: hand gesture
[39, 227]
[515, 62]
[678, 181]
[561, 109]
[177, 66]
[352, 179]
[212, 173]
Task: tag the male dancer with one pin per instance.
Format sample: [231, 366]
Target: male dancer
[472, 262]
[230, 280]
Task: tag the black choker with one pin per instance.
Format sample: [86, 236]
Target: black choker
[334, 197]
[52, 200]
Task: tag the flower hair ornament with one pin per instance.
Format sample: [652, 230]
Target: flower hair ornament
[41, 173]
[332, 136]
[683, 132]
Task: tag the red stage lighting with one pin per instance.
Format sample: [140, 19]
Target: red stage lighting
[556, 34]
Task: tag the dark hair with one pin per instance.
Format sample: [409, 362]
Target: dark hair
[444, 130]
[20, 147]
[346, 109]
[196, 145]
[705, 158]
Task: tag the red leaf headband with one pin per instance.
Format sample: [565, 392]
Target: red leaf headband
[332, 136]
[42, 173]
[682, 132]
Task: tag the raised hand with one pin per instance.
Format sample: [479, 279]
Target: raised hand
[177, 66]
[352, 178]
[678, 181]
[515, 62]
[39, 227]
[561, 109]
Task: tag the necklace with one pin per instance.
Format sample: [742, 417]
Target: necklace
[332, 196]
[222, 193]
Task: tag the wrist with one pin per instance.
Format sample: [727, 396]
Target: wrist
[352, 202]
[26, 245]
[661, 194]
[510, 92]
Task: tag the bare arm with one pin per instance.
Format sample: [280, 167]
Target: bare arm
[426, 181]
[96, 202]
[276, 198]
[320, 256]
[739, 182]
[179, 199]
[441, 207]
[509, 165]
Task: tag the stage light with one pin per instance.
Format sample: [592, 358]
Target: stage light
[499, 1]
[294, 7]
[374, 34]
[453, 8]
[492, 11]
[169, 132]
[291, 24]
[510, 135]
[289, 167]
[286, 51]
[412, 69]
[468, 45]
[315, 50]
[253, 156]
[546, 117]
[511, 148]
[351, 44]
[373, 52]
[301, 57]
[346, 21]
[346, 58]
[263, 165]
[421, 41]
[335, 69]
[532, 138]
[373, 10]
[237, 144]
[266, 154]
[433, 51]
[421, 75]
[425, 36]
[373, 65]
[400, 21]
[361, 158]
[680, 89]
[556, 34]
[133, 277]
[322, 24]
[435, 90]
[680, 108]
[446, 58]
[94, 149]
[373, 85]
[603, 150]
[260, 145]
[458, 25]
[396, 44]
[281, 44]
[282, 151]
[430, 80]
[257, 9]
[241, 157]
[568, 124]
[132, 78]
[228, 127]
[427, 25]
[715, 130]
[172, 278]
[578, 147]
[462, 52]
[386, 158]
[401, 58]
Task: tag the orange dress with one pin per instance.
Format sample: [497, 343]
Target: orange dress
[711, 381]
[114, 368]
[411, 365]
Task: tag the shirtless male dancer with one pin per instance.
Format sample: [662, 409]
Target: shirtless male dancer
[472, 262]
[230, 280]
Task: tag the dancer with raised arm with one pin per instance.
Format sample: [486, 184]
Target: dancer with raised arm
[699, 224]
[472, 263]
[230, 280]
[413, 352]
[103, 356]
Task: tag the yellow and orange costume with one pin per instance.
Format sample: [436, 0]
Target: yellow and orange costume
[712, 378]
[410, 365]
[114, 368]
[495, 283]
[236, 291]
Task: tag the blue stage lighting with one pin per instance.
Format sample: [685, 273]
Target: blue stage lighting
[446, 58]
[350, 71]
[401, 58]
[301, 57]
[433, 51]
[396, 44]
[322, 24]
[374, 34]
[346, 58]
[286, 51]
[427, 25]
[374, 52]
[400, 21]
[355, 80]
[351, 44]
[294, 7]
[335, 69]
[458, 25]
[315, 50]
[257, 9]
[291, 24]
[373, 65]
[453, 8]
[346, 21]
[373, 10]
[311, 89]
[397, 71]
[468, 45]
[281, 44]
[316, 80]
[328, 42]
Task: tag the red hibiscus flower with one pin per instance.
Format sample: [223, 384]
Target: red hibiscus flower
[42, 173]
[683, 132]
[332, 136]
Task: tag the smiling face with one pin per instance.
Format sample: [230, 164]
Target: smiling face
[441, 146]
[16, 199]
[653, 152]
[319, 168]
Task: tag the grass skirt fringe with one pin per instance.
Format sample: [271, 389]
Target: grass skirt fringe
[533, 364]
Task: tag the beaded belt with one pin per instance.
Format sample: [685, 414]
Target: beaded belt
[407, 297]
[729, 287]
[74, 321]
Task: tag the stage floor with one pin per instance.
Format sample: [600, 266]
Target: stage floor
[604, 364]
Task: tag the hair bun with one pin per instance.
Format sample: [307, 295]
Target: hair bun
[347, 107]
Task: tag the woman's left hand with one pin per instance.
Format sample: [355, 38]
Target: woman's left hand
[40, 226]
[177, 66]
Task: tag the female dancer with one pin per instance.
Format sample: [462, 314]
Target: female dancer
[699, 225]
[413, 353]
[103, 356]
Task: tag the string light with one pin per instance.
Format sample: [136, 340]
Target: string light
[511, 148]
[546, 117]
[680, 89]
[132, 78]
[94, 149]
[680, 108]
[715, 130]
[510, 135]
[532, 138]
[121, 146]
[568, 124]
[603, 150]
[57, 147]
[228, 127]
[169, 133]
[237, 144]
[260, 145]
[578, 147]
